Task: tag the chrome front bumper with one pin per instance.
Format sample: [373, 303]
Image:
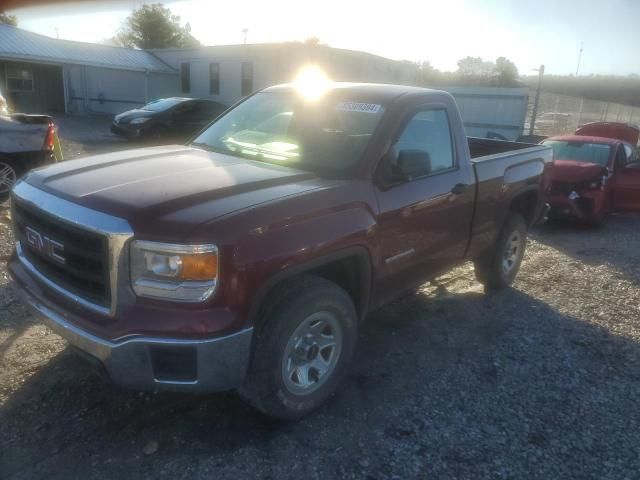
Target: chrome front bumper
[145, 363]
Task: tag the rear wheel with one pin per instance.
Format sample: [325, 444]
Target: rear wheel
[498, 267]
[8, 177]
[302, 348]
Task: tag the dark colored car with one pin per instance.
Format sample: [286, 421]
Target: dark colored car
[172, 118]
[26, 142]
[249, 258]
[596, 171]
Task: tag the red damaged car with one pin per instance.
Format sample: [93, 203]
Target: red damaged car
[596, 171]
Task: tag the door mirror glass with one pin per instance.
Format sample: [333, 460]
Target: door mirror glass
[413, 163]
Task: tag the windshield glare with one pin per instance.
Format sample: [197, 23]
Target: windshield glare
[597, 153]
[162, 104]
[283, 128]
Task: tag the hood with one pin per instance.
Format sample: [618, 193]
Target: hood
[166, 191]
[572, 171]
[617, 131]
[129, 115]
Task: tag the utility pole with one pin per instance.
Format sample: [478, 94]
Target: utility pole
[537, 100]
[579, 57]
[245, 30]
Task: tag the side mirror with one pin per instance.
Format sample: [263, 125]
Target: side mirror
[405, 165]
[414, 163]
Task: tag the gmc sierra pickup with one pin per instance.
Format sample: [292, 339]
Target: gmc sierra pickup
[248, 258]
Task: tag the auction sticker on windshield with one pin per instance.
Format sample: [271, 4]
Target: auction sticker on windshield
[358, 107]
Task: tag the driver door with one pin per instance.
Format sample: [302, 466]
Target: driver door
[424, 221]
[626, 188]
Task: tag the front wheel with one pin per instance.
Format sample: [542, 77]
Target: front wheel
[498, 267]
[302, 348]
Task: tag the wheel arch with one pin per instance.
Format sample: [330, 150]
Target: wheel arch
[526, 204]
[349, 268]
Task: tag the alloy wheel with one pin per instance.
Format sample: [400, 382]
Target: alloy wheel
[512, 252]
[312, 352]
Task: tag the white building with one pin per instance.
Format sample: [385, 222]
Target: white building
[40, 74]
[226, 73]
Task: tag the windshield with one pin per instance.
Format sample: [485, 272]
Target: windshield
[162, 104]
[581, 152]
[281, 127]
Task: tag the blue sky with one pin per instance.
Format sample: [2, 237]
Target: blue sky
[529, 32]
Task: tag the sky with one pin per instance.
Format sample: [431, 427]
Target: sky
[528, 32]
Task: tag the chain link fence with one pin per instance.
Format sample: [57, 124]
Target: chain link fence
[562, 114]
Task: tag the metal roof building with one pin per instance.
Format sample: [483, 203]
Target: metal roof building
[42, 74]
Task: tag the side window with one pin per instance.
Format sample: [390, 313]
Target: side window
[247, 78]
[201, 111]
[19, 79]
[621, 157]
[427, 136]
[214, 78]
[185, 77]
[632, 154]
[185, 111]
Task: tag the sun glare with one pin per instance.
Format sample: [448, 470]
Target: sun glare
[311, 82]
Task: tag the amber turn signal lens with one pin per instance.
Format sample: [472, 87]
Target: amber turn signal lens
[203, 266]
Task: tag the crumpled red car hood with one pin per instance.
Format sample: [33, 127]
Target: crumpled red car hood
[618, 131]
[576, 172]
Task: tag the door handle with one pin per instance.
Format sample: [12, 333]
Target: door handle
[459, 188]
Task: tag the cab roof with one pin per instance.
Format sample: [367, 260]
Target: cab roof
[381, 91]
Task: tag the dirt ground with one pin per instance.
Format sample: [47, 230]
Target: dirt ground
[538, 381]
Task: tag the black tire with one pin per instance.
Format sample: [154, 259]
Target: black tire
[600, 220]
[158, 133]
[290, 307]
[5, 188]
[493, 269]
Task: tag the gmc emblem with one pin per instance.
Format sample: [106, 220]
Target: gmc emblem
[45, 245]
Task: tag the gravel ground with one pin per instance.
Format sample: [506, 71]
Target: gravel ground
[539, 381]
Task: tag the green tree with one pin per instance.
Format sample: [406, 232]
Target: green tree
[507, 72]
[475, 67]
[313, 41]
[154, 26]
[427, 74]
[8, 19]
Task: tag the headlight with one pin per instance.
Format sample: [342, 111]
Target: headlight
[182, 273]
[139, 120]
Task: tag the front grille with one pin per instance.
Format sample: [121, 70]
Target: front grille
[85, 271]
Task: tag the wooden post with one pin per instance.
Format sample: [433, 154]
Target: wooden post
[534, 113]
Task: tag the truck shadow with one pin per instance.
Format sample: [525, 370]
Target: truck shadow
[446, 374]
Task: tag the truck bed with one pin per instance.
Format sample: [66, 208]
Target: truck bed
[502, 168]
[484, 147]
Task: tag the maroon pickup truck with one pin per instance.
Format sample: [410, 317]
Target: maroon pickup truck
[249, 258]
